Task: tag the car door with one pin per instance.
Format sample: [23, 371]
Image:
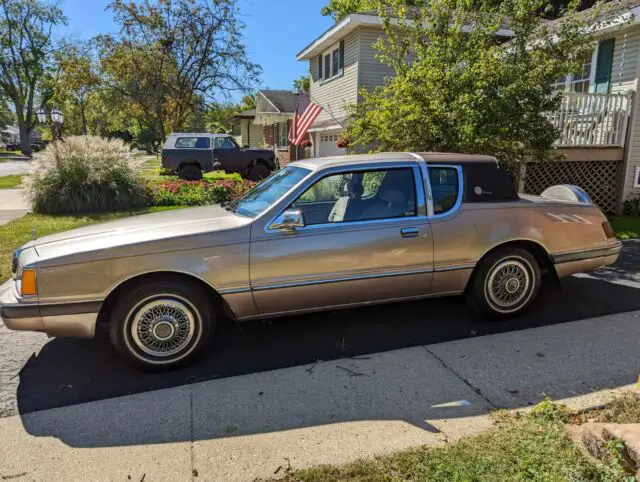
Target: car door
[227, 153]
[378, 246]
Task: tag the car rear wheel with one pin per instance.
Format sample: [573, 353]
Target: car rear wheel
[190, 172]
[162, 324]
[258, 173]
[506, 282]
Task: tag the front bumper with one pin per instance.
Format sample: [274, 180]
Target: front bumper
[67, 319]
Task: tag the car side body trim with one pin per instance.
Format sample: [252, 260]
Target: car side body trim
[579, 255]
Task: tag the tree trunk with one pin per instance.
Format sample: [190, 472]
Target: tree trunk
[25, 138]
[83, 114]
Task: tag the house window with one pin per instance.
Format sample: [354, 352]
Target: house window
[332, 62]
[577, 81]
[283, 135]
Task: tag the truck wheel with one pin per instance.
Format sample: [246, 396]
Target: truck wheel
[162, 324]
[505, 283]
[258, 173]
[190, 172]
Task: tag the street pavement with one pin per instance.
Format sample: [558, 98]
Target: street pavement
[13, 204]
[38, 373]
[258, 425]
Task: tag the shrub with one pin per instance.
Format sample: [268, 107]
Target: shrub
[631, 207]
[195, 193]
[84, 174]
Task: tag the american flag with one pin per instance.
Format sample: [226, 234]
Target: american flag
[306, 114]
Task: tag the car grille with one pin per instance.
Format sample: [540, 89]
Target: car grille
[14, 262]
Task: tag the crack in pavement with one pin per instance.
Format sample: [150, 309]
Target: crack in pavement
[464, 380]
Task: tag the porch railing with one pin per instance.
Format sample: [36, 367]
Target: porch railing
[593, 120]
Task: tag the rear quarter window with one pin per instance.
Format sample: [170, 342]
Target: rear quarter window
[193, 143]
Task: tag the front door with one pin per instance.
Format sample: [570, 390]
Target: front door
[227, 153]
[366, 238]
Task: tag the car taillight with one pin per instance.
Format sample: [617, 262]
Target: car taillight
[608, 230]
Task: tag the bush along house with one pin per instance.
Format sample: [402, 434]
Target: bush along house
[599, 117]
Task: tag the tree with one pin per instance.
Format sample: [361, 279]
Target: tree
[459, 88]
[303, 84]
[6, 116]
[78, 80]
[339, 9]
[173, 57]
[26, 48]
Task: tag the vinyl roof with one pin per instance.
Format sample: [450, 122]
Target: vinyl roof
[429, 157]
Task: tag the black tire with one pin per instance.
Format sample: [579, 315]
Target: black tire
[505, 283]
[190, 172]
[184, 317]
[258, 173]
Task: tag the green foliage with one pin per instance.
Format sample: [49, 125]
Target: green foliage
[467, 91]
[195, 193]
[524, 449]
[631, 207]
[84, 174]
[339, 9]
[26, 47]
[626, 227]
[303, 84]
[171, 59]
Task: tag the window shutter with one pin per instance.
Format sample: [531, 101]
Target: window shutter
[341, 60]
[604, 63]
[320, 66]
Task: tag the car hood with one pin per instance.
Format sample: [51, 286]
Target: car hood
[144, 234]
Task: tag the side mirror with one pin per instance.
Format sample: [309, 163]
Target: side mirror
[289, 220]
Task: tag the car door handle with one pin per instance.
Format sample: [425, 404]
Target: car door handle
[409, 232]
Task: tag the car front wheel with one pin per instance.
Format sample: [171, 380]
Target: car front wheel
[162, 324]
[506, 282]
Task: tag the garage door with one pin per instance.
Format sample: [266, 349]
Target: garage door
[327, 144]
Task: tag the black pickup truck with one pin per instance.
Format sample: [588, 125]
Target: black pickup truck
[192, 154]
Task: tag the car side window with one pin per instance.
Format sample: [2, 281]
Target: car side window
[359, 196]
[193, 143]
[444, 188]
[224, 143]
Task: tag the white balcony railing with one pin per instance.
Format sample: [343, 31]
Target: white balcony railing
[593, 120]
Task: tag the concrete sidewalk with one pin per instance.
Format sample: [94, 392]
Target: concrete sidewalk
[254, 426]
[12, 204]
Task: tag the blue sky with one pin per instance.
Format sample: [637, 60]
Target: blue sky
[275, 31]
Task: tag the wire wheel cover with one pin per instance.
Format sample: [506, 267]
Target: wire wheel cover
[163, 327]
[509, 283]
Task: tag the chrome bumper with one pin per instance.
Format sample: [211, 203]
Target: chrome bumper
[68, 319]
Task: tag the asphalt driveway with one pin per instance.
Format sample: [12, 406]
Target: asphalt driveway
[38, 373]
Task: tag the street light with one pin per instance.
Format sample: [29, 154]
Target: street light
[57, 116]
[57, 119]
[42, 115]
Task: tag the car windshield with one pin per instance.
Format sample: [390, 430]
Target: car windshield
[260, 198]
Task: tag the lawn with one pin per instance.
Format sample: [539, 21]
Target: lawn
[10, 182]
[531, 446]
[626, 227]
[152, 169]
[17, 232]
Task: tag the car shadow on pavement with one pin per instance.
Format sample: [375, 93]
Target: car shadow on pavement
[71, 371]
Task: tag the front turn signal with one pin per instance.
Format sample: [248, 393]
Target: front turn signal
[28, 283]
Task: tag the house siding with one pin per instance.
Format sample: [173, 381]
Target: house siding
[336, 94]
[371, 72]
[624, 73]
